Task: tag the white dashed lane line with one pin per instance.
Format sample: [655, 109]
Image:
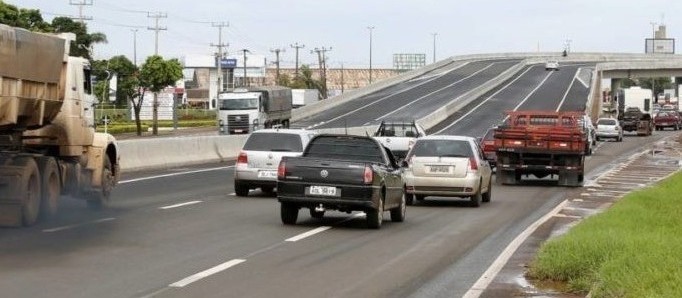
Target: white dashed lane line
[180, 205]
[68, 227]
[206, 273]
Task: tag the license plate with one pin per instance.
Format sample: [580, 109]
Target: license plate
[323, 190]
[267, 174]
[439, 169]
[238, 130]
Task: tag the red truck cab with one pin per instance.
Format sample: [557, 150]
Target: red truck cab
[668, 118]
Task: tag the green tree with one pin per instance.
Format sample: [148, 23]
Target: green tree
[30, 19]
[84, 40]
[305, 80]
[659, 84]
[155, 75]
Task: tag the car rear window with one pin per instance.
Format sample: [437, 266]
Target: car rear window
[442, 148]
[398, 130]
[345, 148]
[606, 122]
[272, 141]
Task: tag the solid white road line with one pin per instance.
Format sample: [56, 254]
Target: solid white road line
[484, 101]
[174, 174]
[180, 205]
[563, 99]
[436, 91]
[308, 234]
[482, 283]
[206, 273]
[67, 227]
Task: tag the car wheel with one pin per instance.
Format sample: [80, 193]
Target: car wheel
[488, 195]
[375, 216]
[242, 190]
[288, 213]
[398, 213]
[316, 214]
[475, 200]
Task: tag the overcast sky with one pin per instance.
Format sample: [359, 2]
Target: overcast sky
[401, 26]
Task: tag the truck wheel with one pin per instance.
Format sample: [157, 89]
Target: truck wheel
[486, 196]
[102, 197]
[50, 186]
[475, 200]
[30, 185]
[398, 213]
[376, 216]
[242, 190]
[316, 214]
[288, 213]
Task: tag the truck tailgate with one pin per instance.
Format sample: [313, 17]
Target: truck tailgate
[318, 171]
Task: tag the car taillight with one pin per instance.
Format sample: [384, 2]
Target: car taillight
[281, 170]
[242, 158]
[368, 176]
[473, 165]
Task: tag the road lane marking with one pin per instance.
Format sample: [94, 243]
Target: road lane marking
[180, 205]
[308, 234]
[68, 227]
[206, 273]
[485, 100]
[173, 174]
[388, 96]
[563, 99]
[232, 194]
[436, 91]
[482, 283]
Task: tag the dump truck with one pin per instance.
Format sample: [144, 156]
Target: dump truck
[541, 143]
[48, 144]
[244, 110]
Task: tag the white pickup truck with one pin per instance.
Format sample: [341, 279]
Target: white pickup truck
[399, 136]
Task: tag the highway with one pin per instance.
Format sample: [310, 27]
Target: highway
[183, 233]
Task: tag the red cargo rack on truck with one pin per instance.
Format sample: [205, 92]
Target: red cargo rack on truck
[540, 143]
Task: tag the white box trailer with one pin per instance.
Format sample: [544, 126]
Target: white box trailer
[302, 97]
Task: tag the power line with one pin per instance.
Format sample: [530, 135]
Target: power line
[220, 46]
[156, 28]
[81, 4]
[321, 56]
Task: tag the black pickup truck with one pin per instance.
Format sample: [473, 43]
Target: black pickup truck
[344, 173]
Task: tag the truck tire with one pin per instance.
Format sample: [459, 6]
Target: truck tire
[375, 216]
[50, 186]
[398, 213]
[475, 200]
[240, 189]
[288, 213]
[29, 183]
[102, 197]
[488, 195]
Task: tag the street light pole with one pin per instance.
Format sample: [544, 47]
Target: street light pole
[244, 82]
[434, 46]
[134, 46]
[371, 29]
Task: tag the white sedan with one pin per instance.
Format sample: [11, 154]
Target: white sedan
[447, 166]
[609, 128]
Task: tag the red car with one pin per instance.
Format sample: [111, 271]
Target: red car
[668, 118]
[487, 144]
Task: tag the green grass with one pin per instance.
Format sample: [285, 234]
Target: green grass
[634, 249]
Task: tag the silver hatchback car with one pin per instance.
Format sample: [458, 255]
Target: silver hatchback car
[258, 160]
[448, 166]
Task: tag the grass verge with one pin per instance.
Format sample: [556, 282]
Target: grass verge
[633, 249]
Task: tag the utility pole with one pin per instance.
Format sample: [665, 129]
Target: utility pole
[134, 46]
[434, 46]
[343, 82]
[371, 29]
[220, 46]
[156, 28]
[277, 51]
[321, 52]
[297, 47]
[244, 80]
[81, 4]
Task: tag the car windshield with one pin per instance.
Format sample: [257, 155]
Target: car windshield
[345, 148]
[442, 148]
[398, 130]
[606, 122]
[239, 104]
[273, 141]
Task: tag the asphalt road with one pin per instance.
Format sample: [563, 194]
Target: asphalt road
[412, 99]
[165, 227]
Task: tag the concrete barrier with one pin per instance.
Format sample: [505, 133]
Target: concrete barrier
[178, 151]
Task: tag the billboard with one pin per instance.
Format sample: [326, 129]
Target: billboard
[659, 46]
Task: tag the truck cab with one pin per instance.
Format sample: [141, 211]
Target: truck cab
[242, 110]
